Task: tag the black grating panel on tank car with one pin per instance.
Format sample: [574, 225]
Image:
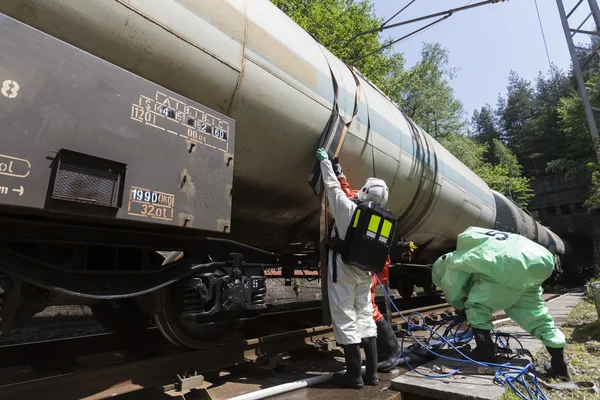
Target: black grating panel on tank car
[87, 179]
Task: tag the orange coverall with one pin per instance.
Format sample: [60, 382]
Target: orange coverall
[383, 275]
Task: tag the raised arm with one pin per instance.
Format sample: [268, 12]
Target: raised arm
[341, 206]
[337, 169]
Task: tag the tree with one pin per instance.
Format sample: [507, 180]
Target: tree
[467, 150]
[485, 128]
[500, 176]
[577, 151]
[425, 95]
[519, 127]
[547, 129]
[334, 22]
[593, 200]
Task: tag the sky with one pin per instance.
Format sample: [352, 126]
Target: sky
[486, 42]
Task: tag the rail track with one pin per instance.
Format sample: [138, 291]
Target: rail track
[105, 370]
[45, 353]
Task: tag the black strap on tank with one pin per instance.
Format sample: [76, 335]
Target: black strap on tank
[336, 128]
[333, 136]
[425, 173]
[332, 139]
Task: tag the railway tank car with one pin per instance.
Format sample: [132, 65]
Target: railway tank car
[190, 126]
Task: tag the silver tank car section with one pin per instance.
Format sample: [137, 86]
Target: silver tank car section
[251, 62]
[511, 218]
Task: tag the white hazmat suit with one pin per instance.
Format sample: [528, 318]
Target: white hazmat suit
[350, 295]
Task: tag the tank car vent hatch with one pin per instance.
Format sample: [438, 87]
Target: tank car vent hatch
[87, 179]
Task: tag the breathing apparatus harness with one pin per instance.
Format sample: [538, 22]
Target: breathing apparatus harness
[368, 239]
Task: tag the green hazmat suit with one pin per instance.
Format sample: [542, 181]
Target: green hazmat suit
[492, 271]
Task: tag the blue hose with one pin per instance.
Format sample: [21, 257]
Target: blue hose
[506, 374]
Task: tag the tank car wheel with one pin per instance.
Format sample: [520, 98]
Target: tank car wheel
[127, 319]
[406, 289]
[184, 333]
[429, 289]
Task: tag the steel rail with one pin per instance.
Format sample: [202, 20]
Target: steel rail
[46, 352]
[118, 378]
[121, 378]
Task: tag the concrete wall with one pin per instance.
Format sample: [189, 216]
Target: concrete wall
[558, 204]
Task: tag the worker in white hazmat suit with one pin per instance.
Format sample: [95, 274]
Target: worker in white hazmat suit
[349, 286]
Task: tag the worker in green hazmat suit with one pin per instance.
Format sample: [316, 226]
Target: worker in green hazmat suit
[492, 271]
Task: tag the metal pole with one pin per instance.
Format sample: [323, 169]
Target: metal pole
[595, 12]
[578, 74]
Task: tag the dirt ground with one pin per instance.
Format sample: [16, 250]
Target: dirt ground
[55, 323]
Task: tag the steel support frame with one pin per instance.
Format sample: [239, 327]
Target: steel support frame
[577, 65]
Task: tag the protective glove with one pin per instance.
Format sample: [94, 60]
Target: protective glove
[322, 155]
[337, 168]
[460, 312]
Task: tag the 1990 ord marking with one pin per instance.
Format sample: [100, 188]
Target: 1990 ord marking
[152, 197]
[150, 204]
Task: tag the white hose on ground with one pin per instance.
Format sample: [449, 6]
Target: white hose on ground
[288, 387]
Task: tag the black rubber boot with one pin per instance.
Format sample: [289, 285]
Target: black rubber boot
[370, 346]
[558, 363]
[485, 350]
[388, 347]
[353, 376]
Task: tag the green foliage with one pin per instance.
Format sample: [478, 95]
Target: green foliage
[519, 128]
[577, 156]
[504, 174]
[593, 200]
[334, 22]
[498, 178]
[425, 95]
[576, 141]
[500, 154]
[484, 125]
[466, 149]
[422, 92]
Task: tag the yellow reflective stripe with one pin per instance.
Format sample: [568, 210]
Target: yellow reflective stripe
[374, 223]
[355, 223]
[387, 228]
